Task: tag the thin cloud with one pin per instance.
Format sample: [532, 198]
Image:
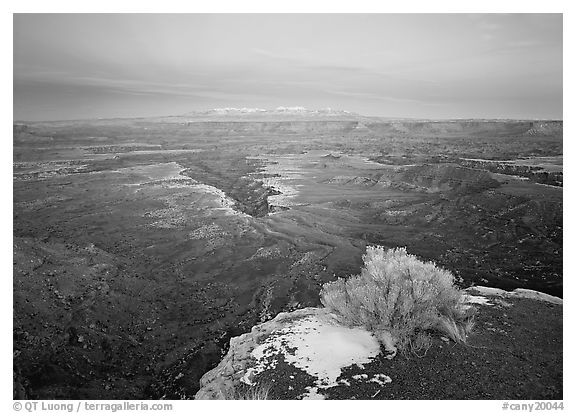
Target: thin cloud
[375, 96]
[374, 62]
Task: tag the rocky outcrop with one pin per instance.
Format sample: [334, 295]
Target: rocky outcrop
[431, 178]
[443, 178]
[220, 383]
[517, 293]
[310, 342]
[306, 354]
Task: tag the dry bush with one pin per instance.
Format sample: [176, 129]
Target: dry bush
[258, 391]
[397, 295]
[420, 344]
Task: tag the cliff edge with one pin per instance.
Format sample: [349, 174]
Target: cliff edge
[514, 352]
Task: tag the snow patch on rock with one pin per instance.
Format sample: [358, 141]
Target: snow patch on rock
[517, 293]
[309, 339]
[476, 299]
[317, 345]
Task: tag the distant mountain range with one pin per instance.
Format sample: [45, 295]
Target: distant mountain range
[280, 110]
[302, 114]
[298, 110]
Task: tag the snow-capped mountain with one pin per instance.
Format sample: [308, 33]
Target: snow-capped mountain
[286, 110]
[225, 111]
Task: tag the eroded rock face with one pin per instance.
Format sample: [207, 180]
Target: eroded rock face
[310, 341]
[219, 383]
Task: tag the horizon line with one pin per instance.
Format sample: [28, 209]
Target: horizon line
[248, 115]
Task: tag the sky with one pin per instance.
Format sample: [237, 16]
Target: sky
[437, 66]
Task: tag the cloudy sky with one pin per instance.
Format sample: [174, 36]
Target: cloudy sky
[397, 65]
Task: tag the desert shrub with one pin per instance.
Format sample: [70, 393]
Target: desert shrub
[258, 391]
[397, 296]
[420, 343]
